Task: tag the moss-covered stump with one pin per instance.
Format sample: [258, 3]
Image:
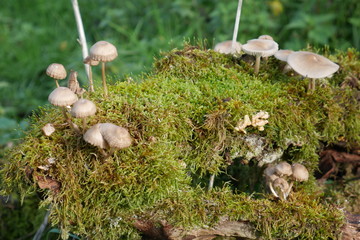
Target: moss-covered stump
[182, 118]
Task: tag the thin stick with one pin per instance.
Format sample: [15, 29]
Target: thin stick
[80, 28]
[42, 227]
[211, 181]
[237, 22]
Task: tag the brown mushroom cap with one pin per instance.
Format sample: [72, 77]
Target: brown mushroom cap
[311, 65]
[260, 47]
[83, 108]
[281, 183]
[62, 97]
[225, 47]
[56, 71]
[300, 173]
[283, 169]
[91, 62]
[103, 51]
[282, 55]
[94, 137]
[115, 136]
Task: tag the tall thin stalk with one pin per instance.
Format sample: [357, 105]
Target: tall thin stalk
[237, 22]
[82, 38]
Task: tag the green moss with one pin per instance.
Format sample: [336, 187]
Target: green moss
[182, 119]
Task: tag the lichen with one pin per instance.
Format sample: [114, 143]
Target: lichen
[182, 118]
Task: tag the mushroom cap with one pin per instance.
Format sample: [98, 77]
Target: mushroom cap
[281, 183]
[91, 62]
[94, 137]
[260, 47]
[62, 97]
[103, 51]
[115, 136]
[56, 71]
[282, 55]
[311, 65]
[283, 168]
[300, 173]
[266, 37]
[83, 108]
[225, 47]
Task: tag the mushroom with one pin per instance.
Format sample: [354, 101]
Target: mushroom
[116, 137]
[91, 62]
[63, 97]
[280, 185]
[95, 138]
[226, 47]
[260, 48]
[103, 52]
[56, 71]
[73, 84]
[283, 169]
[299, 174]
[311, 65]
[282, 55]
[83, 108]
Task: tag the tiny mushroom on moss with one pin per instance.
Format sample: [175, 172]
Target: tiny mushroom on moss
[300, 174]
[280, 185]
[282, 55]
[56, 71]
[103, 52]
[226, 47]
[311, 65]
[48, 129]
[260, 48]
[83, 108]
[63, 97]
[117, 137]
[95, 138]
[283, 169]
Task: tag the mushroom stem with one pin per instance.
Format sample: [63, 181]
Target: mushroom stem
[272, 190]
[84, 125]
[287, 193]
[57, 84]
[102, 151]
[311, 85]
[91, 87]
[68, 120]
[104, 79]
[257, 65]
[211, 181]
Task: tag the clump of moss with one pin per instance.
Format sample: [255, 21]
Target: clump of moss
[182, 118]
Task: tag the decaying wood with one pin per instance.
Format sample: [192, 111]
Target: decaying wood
[351, 230]
[164, 231]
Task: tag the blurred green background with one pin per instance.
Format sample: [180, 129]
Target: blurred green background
[36, 33]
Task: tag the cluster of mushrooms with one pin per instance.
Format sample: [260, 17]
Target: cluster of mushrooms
[102, 135]
[278, 177]
[307, 64]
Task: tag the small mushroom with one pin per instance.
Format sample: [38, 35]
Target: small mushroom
[226, 47]
[116, 137]
[299, 174]
[280, 185]
[91, 63]
[95, 138]
[73, 84]
[260, 48]
[63, 97]
[83, 108]
[103, 52]
[311, 65]
[283, 169]
[282, 55]
[56, 71]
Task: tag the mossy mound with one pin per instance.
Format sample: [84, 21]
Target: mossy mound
[182, 118]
